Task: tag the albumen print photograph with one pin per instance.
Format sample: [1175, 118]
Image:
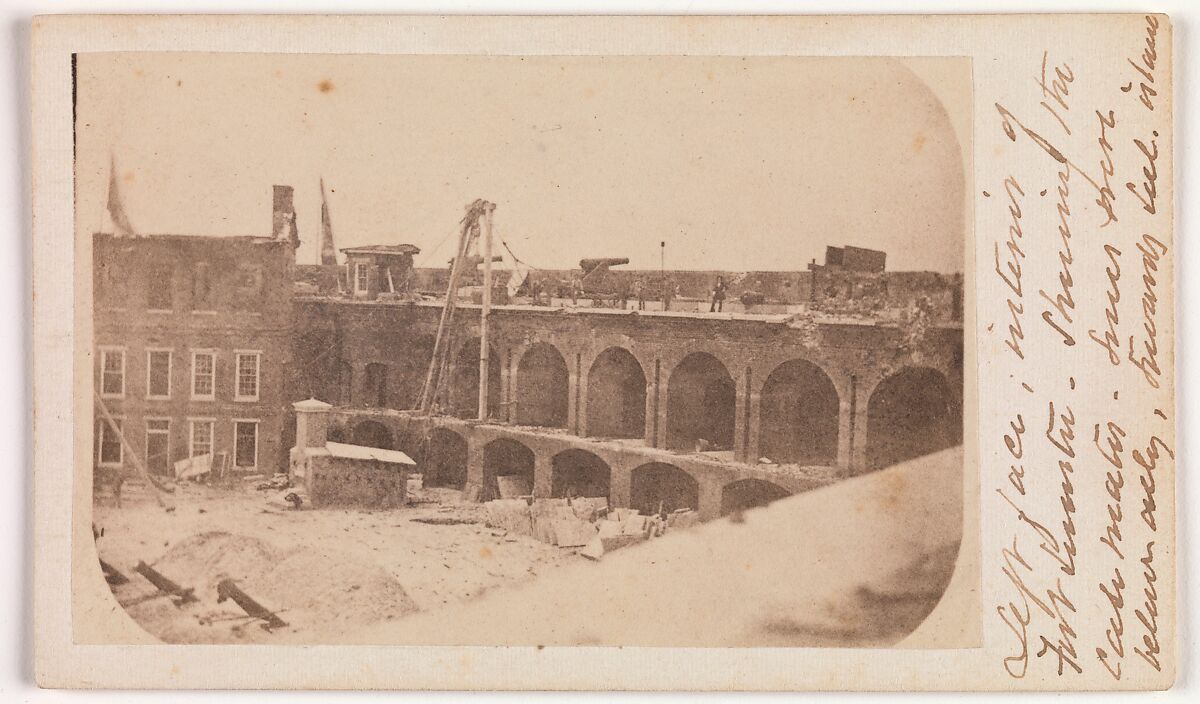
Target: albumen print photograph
[540, 350]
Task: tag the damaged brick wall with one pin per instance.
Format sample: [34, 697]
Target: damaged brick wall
[184, 297]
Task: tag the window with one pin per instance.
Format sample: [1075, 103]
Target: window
[202, 437]
[245, 444]
[249, 286]
[247, 376]
[158, 446]
[109, 451]
[203, 373]
[111, 286]
[202, 294]
[112, 373]
[158, 373]
[158, 292]
[360, 278]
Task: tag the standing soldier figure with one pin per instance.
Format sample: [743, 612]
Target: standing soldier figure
[576, 289]
[639, 290]
[718, 296]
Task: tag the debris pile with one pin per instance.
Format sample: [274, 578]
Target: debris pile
[206, 570]
[326, 573]
[275, 483]
[281, 492]
[583, 523]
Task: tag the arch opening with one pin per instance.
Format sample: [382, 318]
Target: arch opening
[464, 382]
[375, 385]
[799, 415]
[659, 484]
[579, 473]
[370, 433]
[910, 414]
[701, 399]
[616, 396]
[409, 370]
[542, 387]
[445, 459]
[746, 494]
[338, 432]
[509, 459]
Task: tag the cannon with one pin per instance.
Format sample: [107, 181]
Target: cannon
[599, 266]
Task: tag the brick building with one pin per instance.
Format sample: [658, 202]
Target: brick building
[192, 338]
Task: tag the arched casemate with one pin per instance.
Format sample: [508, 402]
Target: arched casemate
[338, 432]
[659, 485]
[746, 494]
[579, 473]
[464, 382]
[616, 396]
[799, 415]
[375, 385]
[409, 369]
[701, 401]
[911, 413]
[445, 453]
[542, 385]
[505, 457]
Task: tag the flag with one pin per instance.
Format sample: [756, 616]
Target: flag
[519, 271]
[328, 252]
[116, 209]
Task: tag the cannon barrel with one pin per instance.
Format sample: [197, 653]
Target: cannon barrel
[589, 265]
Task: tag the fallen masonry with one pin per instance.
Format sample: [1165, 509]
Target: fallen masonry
[585, 523]
[325, 571]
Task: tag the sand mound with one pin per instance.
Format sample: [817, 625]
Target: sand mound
[348, 594]
[311, 590]
[205, 559]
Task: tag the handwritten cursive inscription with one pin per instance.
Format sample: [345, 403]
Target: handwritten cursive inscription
[1144, 66]
[1082, 548]
[1144, 354]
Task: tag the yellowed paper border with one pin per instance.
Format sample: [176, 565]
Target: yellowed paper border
[1007, 54]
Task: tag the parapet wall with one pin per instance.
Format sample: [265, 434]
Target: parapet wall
[824, 289]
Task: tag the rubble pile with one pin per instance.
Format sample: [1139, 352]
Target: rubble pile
[585, 524]
[277, 481]
[326, 574]
[297, 582]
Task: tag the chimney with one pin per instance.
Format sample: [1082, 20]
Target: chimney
[283, 216]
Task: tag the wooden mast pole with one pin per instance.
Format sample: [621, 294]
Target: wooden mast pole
[433, 377]
[485, 309]
[137, 462]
